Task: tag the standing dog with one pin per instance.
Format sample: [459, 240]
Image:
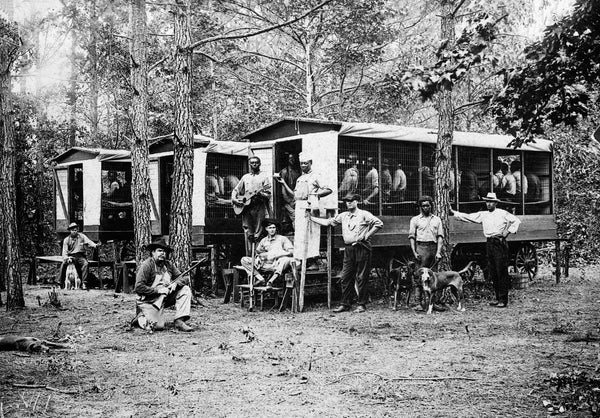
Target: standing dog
[72, 280]
[434, 281]
[401, 280]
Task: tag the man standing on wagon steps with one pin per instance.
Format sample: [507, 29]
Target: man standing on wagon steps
[253, 192]
[497, 225]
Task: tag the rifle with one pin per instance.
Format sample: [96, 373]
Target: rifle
[161, 298]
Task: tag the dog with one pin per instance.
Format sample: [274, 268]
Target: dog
[72, 280]
[435, 281]
[29, 344]
[401, 280]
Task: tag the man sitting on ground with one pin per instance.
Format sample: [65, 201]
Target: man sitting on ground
[274, 254]
[159, 286]
[73, 251]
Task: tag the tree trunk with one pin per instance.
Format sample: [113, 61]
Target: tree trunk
[183, 158]
[140, 178]
[309, 79]
[444, 139]
[10, 235]
[72, 95]
[93, 59]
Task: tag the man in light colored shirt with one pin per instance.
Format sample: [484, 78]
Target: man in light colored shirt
[386, 181]
[253, 192]
[349, 184]
[426, 237]
[497, 225]
[73, 251]
[273, 254]
[399, 185]
[357, 228]
[371, 189]
[309, 189]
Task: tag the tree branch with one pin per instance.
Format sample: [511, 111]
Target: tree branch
[478, 102]
[258, 32]
[458, 7]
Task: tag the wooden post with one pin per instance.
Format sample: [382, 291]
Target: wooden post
[557, 257]
[213, 268]
[567, 257]
[329, 251]
[251, 280]
[304, 257]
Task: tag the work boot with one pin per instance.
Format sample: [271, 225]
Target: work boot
[360, 309]
[182, 326]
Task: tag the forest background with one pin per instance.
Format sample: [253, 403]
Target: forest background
[354, 60]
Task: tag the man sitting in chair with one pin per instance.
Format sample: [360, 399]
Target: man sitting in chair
[74, 251]
[273, 254]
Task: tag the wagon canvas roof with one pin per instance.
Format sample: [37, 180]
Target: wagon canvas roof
[76, 154]
[303, 126]
[228, 147]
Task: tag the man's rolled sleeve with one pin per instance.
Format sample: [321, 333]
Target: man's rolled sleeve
[514, 223]
[412, 229]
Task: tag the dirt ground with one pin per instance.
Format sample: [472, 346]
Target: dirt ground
[483, 362]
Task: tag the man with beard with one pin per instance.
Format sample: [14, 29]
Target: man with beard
[159, 286]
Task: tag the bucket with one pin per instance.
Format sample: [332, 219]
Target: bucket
[519, 281]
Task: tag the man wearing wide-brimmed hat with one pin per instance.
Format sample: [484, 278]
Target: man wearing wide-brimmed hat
[159, 286]
[497, 225]
[274, 254]
[73, 251]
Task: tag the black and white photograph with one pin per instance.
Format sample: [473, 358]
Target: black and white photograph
[299, 208]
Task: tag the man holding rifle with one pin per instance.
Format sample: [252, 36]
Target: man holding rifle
[159, 284]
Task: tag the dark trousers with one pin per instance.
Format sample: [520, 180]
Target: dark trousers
[81, 265]
[497, 257]
[252, 217]
[355, 273]
[427, 251]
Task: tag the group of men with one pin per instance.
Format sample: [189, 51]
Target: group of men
[159, 284]
[391, 186]
[426, 234]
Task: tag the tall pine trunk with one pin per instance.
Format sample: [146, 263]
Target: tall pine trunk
[444, 140]
[180, 229]
[93, 70]
[11, 266]
[139, 120]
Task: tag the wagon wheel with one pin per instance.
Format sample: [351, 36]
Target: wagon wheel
[526, 261]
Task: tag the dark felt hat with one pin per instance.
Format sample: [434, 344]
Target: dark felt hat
[271, 221]
[350, 197]
[161, 243]
[72, 225]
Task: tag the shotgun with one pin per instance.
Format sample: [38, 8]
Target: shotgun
[161, 298]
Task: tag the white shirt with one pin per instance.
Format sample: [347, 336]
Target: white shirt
[494, 223]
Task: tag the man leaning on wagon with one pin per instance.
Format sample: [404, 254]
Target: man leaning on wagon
[497, 225]
[73, 251]
[426, 237]
[159, 286]
[358, 226]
